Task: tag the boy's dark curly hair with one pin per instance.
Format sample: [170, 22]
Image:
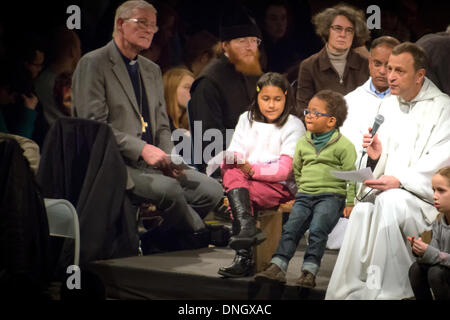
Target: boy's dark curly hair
[336, 105]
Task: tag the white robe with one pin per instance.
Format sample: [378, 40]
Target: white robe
[375, 256]
[363, 105]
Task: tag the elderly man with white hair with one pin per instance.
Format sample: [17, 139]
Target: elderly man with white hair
[116, 85]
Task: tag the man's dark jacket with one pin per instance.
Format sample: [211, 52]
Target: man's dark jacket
[25, 266]
[81, 163]
[218, 97]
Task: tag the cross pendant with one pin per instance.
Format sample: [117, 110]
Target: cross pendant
[144, 124]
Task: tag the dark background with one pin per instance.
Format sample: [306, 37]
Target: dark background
[22, 20]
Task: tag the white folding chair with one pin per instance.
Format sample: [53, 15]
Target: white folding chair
[63, 222]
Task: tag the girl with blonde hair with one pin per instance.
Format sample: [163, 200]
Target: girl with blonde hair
[177, 85]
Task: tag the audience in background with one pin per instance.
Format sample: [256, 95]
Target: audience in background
[61, 93]
[437, 47]
[199, 49]
[177, 84]
[18, 101]
[279, 48]
[64, 53]
[166, 50]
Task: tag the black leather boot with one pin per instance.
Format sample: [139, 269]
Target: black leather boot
[248, 235]
[242, 265]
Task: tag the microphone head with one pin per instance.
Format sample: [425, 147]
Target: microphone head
[379, 119]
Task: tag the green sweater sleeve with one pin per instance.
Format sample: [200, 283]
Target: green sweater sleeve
[348, 159]
[297, 163]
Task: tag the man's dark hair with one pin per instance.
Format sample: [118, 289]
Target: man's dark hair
[277, 80]
[418, 54]
[385, 41]
[335, 104]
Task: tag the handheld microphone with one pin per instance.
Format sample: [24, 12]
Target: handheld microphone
[379, 119]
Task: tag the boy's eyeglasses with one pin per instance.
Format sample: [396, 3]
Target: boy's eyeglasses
[316, 114]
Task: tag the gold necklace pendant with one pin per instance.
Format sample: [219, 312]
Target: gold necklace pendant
[144, 124]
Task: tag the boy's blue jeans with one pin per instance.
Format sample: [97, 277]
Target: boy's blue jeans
[318, 212]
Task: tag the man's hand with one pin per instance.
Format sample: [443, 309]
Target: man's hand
[347, 211]
[383, 183]
[173, 172]
[155, 157]
[373, 145]
[30, 102]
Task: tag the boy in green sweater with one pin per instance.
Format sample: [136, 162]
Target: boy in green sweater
[321, 198]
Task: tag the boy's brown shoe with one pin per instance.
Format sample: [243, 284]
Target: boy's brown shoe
[306, 280]
[273, 273]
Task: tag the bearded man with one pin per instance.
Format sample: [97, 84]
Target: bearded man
[227, 84]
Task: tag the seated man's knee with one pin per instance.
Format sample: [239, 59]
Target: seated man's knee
[212, 189]
[394, 204]
[208, 190]
[392, 197]
[171, 192]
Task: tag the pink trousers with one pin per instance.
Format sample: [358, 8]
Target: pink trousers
[263, 195]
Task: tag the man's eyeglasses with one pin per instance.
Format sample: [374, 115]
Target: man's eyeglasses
[142, 23]
[316, 114]
[339, 29]
[244, 42]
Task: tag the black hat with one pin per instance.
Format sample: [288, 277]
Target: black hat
[237, 23]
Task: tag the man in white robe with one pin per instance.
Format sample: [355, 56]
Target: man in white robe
[414, 143]
[365, 101]
[363, 105]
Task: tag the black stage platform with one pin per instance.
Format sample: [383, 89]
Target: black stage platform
[193, 275]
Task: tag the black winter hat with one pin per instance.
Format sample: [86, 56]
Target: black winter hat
[236, 22]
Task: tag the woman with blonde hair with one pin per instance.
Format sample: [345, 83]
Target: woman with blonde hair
[177, 85]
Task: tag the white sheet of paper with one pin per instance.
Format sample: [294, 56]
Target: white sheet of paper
[357, 175]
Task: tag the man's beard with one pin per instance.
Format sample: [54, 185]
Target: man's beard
[252, 68]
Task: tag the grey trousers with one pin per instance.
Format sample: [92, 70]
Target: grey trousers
[184, 201]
